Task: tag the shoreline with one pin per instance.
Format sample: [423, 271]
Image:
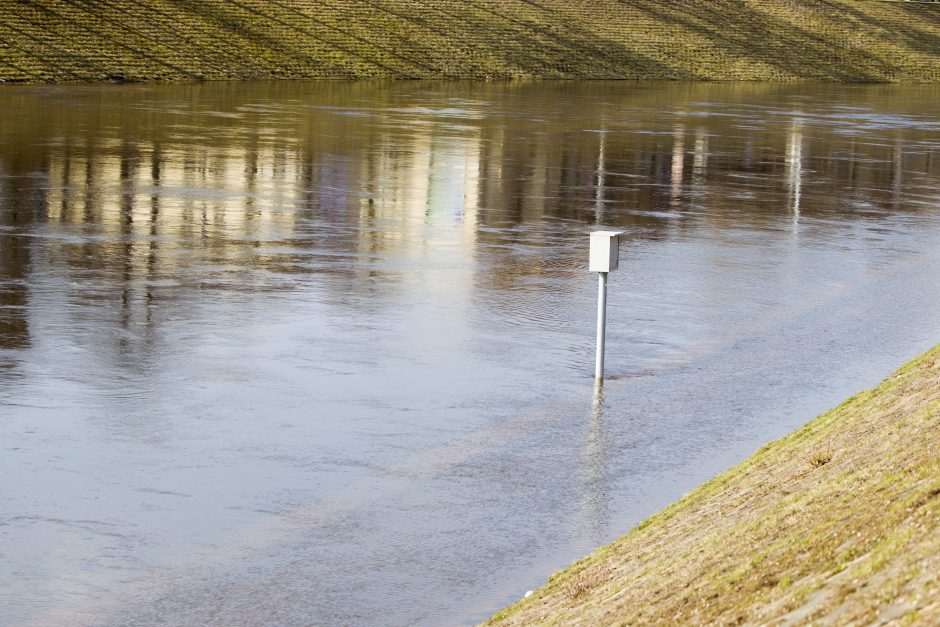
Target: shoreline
[837, 522]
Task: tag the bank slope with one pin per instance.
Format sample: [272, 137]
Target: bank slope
[93, 40]
[838, 523]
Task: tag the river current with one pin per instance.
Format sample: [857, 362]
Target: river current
[322, 352]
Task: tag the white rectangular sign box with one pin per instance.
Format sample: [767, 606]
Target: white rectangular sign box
[605, 250]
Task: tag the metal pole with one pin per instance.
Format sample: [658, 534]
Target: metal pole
[601, 324]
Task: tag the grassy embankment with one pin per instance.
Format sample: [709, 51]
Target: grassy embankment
[94, 40]
[837, 523]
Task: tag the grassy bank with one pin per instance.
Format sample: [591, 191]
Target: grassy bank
[85, 40]
[837, 523]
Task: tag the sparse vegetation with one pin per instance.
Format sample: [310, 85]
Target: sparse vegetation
[853, 537]
[132, 40]
[821, 457]
[587, 580]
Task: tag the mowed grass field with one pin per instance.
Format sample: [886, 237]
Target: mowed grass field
[835, 524]
[97, 40]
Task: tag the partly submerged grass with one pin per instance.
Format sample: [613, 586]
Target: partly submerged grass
[837, 523]
[852, 40]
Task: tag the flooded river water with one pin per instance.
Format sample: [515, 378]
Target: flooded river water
[321, 353]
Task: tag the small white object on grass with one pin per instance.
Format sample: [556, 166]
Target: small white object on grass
[527, 594]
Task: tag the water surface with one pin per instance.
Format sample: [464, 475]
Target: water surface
[322, 353]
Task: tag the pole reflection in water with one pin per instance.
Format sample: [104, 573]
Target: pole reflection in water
[601, 177]
[794, 161]
[678, 165]
[595, 498]
[700, 158]
[305, 353]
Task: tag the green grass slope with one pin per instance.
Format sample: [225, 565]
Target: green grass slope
[835, 524]
[93, 40]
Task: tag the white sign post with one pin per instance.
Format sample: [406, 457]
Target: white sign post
[605, 255]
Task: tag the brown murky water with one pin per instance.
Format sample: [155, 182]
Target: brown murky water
[321, 353]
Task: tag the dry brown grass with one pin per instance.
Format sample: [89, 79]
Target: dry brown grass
[821, 457]
[587, 580]
[854, 539]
